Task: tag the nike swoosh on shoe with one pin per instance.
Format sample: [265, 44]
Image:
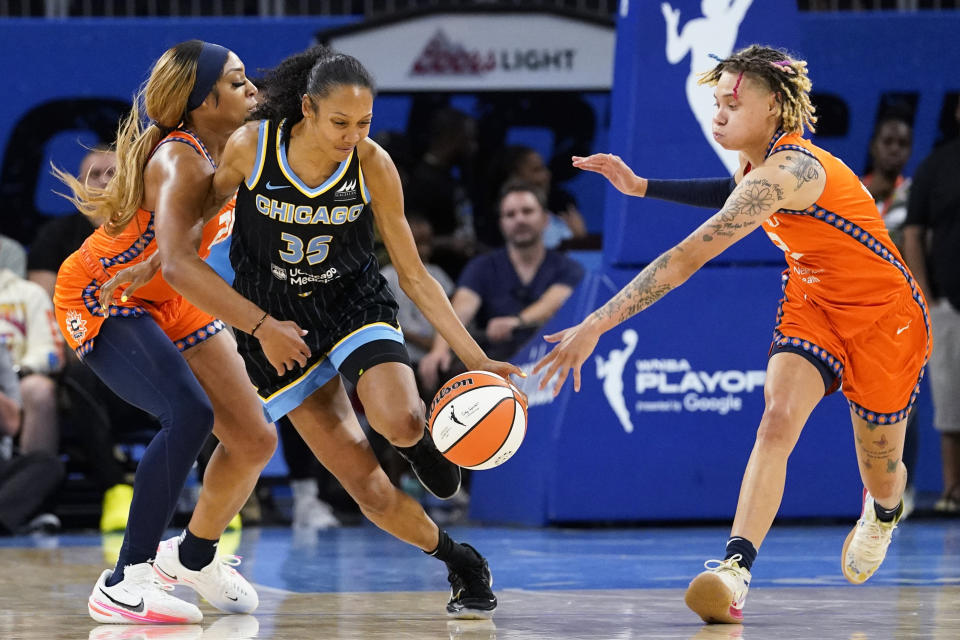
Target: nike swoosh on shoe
[160, 569]
[138, 608]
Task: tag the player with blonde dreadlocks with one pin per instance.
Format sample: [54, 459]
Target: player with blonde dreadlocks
[851, 311]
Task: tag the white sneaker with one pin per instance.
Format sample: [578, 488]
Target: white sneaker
[146, 632]
[138, 598]
[309, 511]
[866, 546]
[718, 594]
[218, 582]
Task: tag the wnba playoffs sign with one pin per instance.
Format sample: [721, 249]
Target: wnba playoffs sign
[483, 52]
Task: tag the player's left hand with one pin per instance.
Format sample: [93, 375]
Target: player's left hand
[575, 346]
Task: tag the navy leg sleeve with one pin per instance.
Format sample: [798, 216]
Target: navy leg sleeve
[139, 362]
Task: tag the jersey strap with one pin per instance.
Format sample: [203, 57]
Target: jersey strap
[189, 138]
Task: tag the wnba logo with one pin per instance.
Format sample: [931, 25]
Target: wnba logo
[459, 384]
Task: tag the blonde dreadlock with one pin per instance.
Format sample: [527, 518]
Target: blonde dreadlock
[784, 75]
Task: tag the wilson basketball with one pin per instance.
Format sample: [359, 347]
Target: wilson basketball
[478, 420]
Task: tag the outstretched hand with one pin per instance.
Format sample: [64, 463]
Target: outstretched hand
[136, 275]
[575, 345]
[611, 167]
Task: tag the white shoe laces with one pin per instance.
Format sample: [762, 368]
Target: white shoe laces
[228, 577]
[151, 580]
[725, 565]
[871, 540]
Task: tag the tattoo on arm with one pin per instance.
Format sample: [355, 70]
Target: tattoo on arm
[640, 293]
[754, 197]
[804, 169]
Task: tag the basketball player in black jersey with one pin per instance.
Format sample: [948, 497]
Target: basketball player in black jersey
[310, 186]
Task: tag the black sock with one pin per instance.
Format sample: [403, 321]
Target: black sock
[452, 552]
[744, 548]
[196, 553]
[887, 515]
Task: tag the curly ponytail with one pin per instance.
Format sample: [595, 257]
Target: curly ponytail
[315, 72]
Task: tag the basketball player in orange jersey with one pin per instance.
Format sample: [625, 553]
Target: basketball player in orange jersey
[161, 353]
[851, 311]
[311, 186]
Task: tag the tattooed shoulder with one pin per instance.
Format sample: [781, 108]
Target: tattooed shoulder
[803, 168]
[752, 198]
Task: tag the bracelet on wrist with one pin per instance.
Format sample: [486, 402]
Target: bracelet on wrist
[259, 322]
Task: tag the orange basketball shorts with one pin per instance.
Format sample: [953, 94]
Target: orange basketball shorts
[80, 316]
[878, 366]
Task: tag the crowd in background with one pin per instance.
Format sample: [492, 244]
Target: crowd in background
[68, 438]
[496, 245]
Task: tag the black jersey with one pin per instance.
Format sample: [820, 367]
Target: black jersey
[296, 240]
[306, 255]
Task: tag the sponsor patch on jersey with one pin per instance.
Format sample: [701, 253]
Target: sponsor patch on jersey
[305, 277]
[278, 272]
[347, 191]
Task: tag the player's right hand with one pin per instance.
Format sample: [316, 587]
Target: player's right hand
[611, 167]
[282, 343]
[136, 275]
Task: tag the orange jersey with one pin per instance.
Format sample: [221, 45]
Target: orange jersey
[101, 256]
[838, 250]
[849, 300]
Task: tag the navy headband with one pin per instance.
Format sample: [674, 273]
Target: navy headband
[209, 67]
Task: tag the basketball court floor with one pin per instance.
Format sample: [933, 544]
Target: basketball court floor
[358, 583]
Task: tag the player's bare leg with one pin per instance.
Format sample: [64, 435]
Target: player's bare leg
[792, 389]
[880, 456]
[394, 409]
[328, 425]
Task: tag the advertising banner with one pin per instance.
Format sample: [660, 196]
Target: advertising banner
[474, 51]
[666, 416]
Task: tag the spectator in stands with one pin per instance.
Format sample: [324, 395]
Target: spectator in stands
[931, 238]
[513, 290]
[89, 410]
[889, 152]
[36, 350]
[26, 481]
[12, 256]
[524, 164]
[442, 196]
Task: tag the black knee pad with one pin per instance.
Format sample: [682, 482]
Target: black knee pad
[368, 355]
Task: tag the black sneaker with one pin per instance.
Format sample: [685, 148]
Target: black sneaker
[471, 596]
[438, 475]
